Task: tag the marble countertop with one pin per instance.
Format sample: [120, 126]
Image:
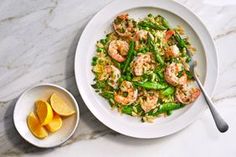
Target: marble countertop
[37, 44]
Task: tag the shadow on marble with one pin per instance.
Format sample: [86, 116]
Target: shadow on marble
[17, 144]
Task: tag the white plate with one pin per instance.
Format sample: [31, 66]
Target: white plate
[26, 103]
[176, 14]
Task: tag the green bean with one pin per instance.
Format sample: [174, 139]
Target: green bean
[129, 57]
[151, 85]
[168, 91]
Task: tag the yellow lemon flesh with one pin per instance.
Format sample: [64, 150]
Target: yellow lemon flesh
[60, 107]
[55, 124]
[44, 112]
[35, 127]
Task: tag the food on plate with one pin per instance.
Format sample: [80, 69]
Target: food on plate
[141, 67]
[47, 116]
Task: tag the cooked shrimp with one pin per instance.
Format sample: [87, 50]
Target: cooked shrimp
[118, 50]
[187, 93]
[126, 87]
[169, 34]
[172, 51]
[142, 63]
[113, 75]
[124, 26]
[171, 74]
[149, 100]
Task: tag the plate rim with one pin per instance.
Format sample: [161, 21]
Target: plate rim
[76, 67]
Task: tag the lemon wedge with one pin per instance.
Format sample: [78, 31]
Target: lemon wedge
[60, 107]
[35, 127]
[44, 112]
[55, 124]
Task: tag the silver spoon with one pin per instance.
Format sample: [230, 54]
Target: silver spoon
[219, 121]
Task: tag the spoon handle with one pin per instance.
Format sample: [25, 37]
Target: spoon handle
[221, 125]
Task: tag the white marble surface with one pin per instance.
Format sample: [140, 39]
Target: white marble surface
[37, 44]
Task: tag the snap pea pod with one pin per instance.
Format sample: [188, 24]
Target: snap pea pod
[107, 95]
[151, 85]
[151, 25]
[166, 108]
[154, 49]
[169, 107]
[168, 91]
[129, 57]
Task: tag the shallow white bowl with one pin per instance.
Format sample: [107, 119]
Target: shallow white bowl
[176, 14]
[26, 103]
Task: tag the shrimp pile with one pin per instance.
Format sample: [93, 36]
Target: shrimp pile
[141, 68]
